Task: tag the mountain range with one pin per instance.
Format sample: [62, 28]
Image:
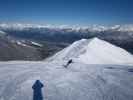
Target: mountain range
[13, 48]
[55, 38]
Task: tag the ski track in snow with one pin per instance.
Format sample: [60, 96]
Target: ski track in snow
[80, 81]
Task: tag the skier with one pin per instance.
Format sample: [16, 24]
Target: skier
[37, 93]
[68, 63]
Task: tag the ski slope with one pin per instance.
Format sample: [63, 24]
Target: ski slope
[82, 80]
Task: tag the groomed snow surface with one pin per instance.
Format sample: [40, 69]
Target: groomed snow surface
[80, 81]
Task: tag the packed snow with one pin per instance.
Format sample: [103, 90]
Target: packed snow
[79, 81]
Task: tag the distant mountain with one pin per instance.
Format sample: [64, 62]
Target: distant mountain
[12, 48]
[120, 35]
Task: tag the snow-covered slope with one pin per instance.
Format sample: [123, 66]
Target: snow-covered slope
[78, 82]
[70, 52]
[94, 51]
[101, 52]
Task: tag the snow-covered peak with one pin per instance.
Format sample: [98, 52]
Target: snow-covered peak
[102, 52]
[94, 51]
[19, 26]
[71, 51]
[77, 28]
[126, 28]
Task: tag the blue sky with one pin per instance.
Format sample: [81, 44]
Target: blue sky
[70, 12]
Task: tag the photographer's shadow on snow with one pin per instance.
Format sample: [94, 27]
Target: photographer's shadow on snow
[37, 90]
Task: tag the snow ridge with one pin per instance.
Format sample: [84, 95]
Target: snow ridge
[101, 52]
[94, 51]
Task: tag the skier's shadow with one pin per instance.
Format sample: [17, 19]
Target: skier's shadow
[37, 92]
